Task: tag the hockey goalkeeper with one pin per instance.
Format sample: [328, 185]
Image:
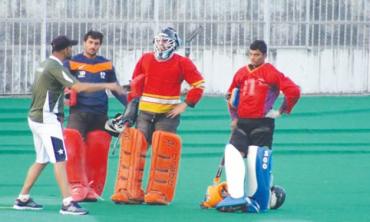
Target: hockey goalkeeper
[252, 93]
[155, 90]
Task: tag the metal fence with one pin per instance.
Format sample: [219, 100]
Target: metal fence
[225, 28]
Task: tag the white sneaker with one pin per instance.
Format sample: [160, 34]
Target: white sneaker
[73, 209]
[27, 205]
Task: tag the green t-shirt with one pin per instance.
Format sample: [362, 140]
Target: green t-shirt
[48, 90]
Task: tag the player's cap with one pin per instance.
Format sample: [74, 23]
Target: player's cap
[61, 42]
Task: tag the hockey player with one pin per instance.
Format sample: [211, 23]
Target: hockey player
[87, 142]
[45, 119]
[252, 93]
[155, 87]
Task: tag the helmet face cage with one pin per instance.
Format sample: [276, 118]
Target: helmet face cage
[165, 43]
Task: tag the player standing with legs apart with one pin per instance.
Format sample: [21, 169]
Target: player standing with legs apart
[87, 142]
[155, 90]
[253, 92]
[45, 120]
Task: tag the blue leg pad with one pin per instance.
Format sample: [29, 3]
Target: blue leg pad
[259, 175]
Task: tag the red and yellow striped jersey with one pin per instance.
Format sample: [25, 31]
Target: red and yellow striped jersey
[162, 83]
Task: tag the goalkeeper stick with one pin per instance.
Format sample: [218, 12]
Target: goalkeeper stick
[190, 38]
[216, 180]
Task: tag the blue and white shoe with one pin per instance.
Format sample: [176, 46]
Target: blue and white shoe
[27, 205]
[73, 209]
[251, 206]
[244, 204]
[230, 204]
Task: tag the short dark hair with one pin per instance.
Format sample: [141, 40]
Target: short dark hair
[259, 45]
[61, 42]
[94, 35]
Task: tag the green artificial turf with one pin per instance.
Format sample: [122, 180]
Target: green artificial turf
[320, 156]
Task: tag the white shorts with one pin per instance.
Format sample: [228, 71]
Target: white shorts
[48, 141]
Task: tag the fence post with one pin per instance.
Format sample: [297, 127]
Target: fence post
[266, 18]
[156, 16]
[307, 23]
[43, 32]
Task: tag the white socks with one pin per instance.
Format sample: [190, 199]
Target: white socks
[67, 201]
[24, 197]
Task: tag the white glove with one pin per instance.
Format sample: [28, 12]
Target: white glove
[273, 114]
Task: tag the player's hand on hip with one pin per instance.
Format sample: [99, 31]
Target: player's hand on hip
[273, 114]
[234, 124]
[178, 109]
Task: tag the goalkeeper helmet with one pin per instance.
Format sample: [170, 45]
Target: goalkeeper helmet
[277, 197]
[165, 43]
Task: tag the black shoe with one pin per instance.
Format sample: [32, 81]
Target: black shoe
[27, 205]
[73, 209]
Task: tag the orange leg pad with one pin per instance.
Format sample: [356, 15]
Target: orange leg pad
[130, 168]
[164, 168]
[75, 166]
[97, 143]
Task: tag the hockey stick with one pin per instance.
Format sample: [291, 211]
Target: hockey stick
[128, 119]
[118, 139]
[190, 38]
[210, 200]
[220, 168]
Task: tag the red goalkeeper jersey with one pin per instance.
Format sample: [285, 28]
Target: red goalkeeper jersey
[162, 82]
[260, 87]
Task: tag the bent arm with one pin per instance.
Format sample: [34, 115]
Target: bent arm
[195, 93]
[93, 87]
[193, 77]
[291, 92]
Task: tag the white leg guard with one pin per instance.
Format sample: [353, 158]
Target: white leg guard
[259, 175]
[235, 171]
